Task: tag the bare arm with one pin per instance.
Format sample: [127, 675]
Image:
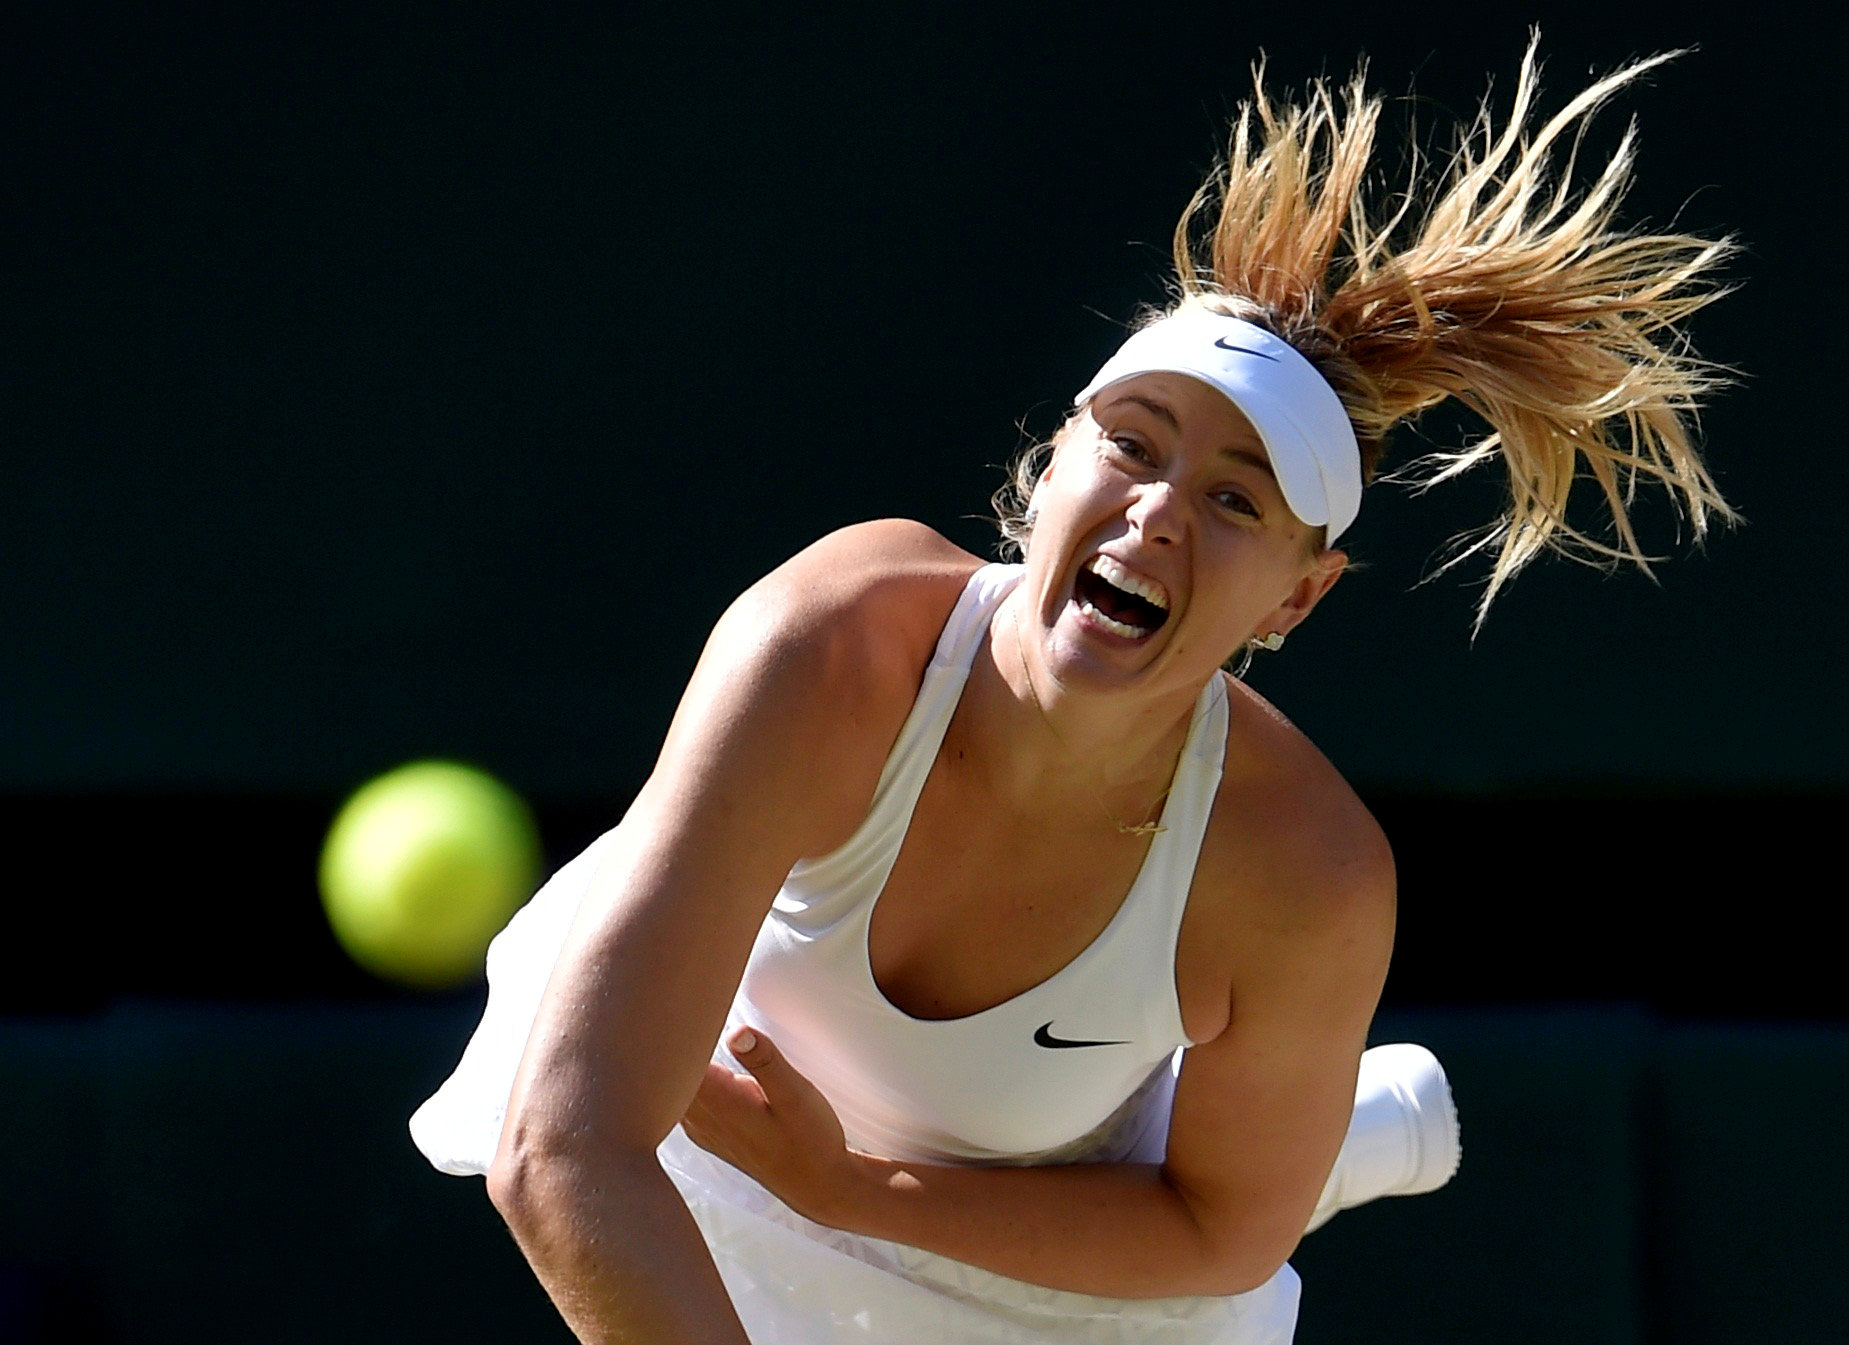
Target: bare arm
[1259, 1116]
[787, 684]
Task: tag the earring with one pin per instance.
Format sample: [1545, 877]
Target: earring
[1273, 641]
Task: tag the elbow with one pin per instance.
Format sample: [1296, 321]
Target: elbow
[549, 1187]
[1237, 1266]
[523, 1184]
[543, 1201]
[1213, 1272]
[547, 1230]
[1237, 1251]
[534, 1181]
[1242, 1270]
[515, 1172]
[560, 1168]
[510, 1187]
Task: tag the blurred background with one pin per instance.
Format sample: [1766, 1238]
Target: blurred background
[393, 383]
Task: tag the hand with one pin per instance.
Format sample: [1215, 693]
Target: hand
[776, 1127]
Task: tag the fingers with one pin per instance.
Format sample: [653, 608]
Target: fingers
[723, 1093]
[721, 1086]
[769, 1080]
[753, 1050]
[727, 1104]
[779, 1081]
[718, 1105]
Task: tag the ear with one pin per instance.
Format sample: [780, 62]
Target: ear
[1305, 594]
[1033, 497]
[1046, 473]
[1061, 437]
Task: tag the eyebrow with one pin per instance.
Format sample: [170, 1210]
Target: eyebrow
[1247, 456]
[1150, 404]
[1161, 410]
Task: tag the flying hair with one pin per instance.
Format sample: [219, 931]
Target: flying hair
[1514, 292]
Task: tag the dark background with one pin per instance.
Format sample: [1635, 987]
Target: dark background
[382, 385]
[391, 382]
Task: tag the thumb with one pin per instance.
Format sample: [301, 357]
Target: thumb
[758, 1054]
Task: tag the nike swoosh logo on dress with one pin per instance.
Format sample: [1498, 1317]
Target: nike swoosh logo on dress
[1042, 1037]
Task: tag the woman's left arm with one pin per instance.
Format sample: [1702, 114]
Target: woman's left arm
[1259, 1116]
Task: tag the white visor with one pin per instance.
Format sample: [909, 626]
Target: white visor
[1305, 430]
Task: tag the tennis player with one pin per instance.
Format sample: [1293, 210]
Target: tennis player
[981, 962]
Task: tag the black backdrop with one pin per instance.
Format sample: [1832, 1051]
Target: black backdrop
[390, 384]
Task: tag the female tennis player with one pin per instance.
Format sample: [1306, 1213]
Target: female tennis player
[981, 962]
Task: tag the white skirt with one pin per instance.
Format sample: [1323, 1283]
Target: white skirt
[794, 1282]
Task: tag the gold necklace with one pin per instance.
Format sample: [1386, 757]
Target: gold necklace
[1140, 828]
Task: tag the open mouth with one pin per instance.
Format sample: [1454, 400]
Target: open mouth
[1122, 603]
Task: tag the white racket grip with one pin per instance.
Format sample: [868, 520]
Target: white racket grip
[1403, 1139]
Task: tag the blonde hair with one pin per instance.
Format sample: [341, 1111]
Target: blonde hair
[1514, 292]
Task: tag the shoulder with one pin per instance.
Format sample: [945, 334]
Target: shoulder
[1283, 806]
[818, 663]
[1294, 867]
[866, 599]
[881, 578]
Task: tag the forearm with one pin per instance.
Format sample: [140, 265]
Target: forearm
[1120, 1230]
[618, 1252]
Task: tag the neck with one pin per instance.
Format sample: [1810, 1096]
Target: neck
[1046, 748]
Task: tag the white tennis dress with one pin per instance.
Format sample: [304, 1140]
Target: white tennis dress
[1080, 1068]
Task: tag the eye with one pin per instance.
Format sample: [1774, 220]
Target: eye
[1132, 449]
[1236, 502]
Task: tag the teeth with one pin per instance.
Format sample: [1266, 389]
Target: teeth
[1117, 576]
[1112, 624]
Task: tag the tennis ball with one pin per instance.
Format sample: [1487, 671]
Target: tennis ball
[423, 866]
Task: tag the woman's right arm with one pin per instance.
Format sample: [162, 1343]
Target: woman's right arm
[773, 754]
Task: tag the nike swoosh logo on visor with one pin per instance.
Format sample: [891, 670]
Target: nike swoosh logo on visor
[1042, 1037]
[1245, 350]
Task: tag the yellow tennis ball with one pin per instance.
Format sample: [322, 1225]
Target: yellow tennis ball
[423, 866]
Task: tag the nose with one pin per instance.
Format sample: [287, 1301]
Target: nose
[1156, 513]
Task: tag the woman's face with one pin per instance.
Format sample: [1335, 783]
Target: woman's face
[1161, 541]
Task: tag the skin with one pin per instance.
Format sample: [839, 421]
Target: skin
[1011, 867]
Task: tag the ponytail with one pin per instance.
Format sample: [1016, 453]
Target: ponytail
[1513, 292]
